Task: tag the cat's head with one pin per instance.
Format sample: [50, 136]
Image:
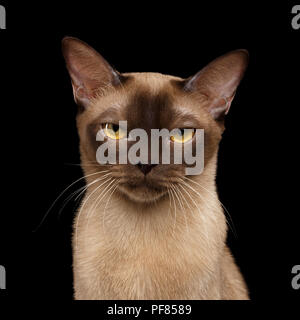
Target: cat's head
[148, 101]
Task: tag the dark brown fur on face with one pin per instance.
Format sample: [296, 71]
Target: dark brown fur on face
[168, 107]
[116, 250]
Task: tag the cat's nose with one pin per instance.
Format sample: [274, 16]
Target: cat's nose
[145, 168]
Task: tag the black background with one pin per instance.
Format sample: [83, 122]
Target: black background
[257, 173]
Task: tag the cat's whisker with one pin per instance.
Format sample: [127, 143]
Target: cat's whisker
[93, 206]
[62, 193]
[204, 202]
[199, 195]
[230, 223]
[191, 209]
[214, 206]
[182, 197]
[176, 195]
[81, 209]
[98, 200]
[174, 203]
[197, 208]
[180, 202]
[112, 192]
[102, 178]
[80, 192]
[170, 204]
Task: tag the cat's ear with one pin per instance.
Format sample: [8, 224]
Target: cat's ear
[218, 81]
[88, 70]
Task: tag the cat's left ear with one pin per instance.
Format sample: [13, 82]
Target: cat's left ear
[219, 80]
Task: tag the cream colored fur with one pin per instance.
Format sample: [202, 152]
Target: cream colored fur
[127, 251]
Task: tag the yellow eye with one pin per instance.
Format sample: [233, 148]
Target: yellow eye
[183, 135]
[114, 131]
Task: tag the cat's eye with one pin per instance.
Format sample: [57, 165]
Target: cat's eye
[183, 135]
[114, 131]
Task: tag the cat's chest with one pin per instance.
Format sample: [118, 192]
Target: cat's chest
[146, 272]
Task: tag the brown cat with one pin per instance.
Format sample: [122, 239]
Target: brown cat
[149, 231]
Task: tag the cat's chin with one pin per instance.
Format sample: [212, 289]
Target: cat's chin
[142, 193]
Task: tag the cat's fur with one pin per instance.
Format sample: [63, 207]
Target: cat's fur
[141, 241]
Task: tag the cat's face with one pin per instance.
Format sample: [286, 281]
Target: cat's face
[148, 101]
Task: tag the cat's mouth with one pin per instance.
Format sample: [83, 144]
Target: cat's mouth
[146, 190]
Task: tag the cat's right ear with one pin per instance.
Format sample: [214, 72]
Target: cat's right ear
[88, 70]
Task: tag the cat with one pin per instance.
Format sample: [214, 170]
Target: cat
[149, 231]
